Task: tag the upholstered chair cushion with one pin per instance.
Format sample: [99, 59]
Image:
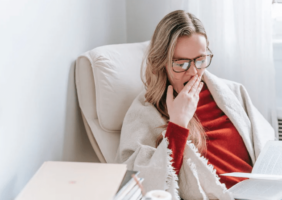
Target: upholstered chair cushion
[108, 79]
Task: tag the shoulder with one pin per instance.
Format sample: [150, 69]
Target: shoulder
[225, 86]
[141, 122]
[140, 107]
[235, 87]
[143, 112]
[238, 89]
[232, 85]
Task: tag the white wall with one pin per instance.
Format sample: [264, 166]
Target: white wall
[39, 114]
[142, 18]
[277, 54]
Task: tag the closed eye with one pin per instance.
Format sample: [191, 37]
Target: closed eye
[183, 65]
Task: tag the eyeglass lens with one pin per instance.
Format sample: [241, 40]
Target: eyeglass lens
[183, 65]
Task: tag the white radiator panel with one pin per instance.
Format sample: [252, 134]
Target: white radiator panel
[280, 129]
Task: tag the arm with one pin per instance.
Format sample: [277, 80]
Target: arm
[177, 137]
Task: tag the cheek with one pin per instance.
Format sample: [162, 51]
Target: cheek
[174, 76]
[177, 76]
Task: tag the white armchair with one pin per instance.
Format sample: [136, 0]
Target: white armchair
[107, 81]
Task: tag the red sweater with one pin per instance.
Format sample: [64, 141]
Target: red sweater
[226, 150]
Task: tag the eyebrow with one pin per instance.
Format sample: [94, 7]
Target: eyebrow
[180, 58]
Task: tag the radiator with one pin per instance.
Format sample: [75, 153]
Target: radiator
[280, 129]
[279, 117]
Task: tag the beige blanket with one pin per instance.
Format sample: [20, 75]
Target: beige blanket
[196, 179]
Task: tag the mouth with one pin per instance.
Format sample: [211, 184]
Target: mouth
[187, 81]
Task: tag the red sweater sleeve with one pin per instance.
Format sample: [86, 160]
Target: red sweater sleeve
[177, 137]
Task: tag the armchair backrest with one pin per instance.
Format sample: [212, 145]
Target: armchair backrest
[107, 81]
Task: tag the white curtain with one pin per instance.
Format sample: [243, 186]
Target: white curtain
[240, 36]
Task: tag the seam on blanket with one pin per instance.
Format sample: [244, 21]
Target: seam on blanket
[210, 166]
[171, 170]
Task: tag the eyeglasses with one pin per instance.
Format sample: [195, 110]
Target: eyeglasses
[201, 62]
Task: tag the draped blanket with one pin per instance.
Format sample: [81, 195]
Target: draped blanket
[197, 179]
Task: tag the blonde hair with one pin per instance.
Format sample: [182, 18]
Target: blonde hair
[161, 49]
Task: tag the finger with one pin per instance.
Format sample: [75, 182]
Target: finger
[169, 96]
[190, 83]
[199, 89]
[195, 87]
[201, 77]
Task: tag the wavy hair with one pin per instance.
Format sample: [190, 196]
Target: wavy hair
[161, 49]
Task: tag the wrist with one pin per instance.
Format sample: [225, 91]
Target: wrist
[176, 131]
[179, 123]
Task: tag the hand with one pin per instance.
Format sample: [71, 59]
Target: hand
[182, 108]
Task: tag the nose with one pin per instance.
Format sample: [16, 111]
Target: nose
[192, 69]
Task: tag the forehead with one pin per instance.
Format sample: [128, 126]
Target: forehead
[190, 46]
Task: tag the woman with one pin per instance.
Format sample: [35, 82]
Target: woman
[189, 126]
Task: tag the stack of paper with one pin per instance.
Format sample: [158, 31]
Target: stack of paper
[129, 189]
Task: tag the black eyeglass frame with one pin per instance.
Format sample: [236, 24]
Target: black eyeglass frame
[211, 55]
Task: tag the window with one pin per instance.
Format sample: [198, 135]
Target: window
[277, 52]
[277, 20]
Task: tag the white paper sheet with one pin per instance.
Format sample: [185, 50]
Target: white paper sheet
[270, 159]
[258, 189]
[254, 176]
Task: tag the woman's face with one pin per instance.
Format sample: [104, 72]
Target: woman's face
[187, 47]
